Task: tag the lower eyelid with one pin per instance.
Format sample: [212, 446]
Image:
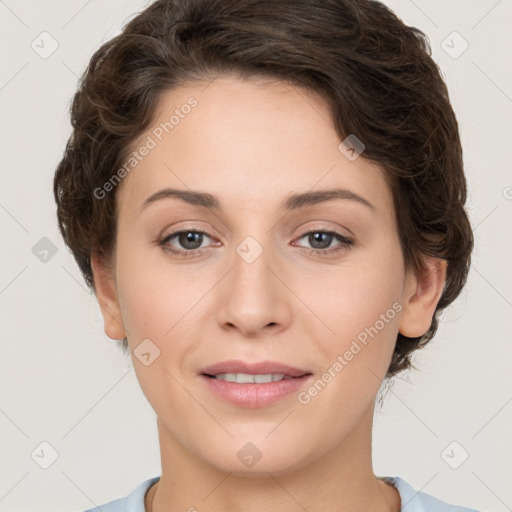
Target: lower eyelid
[343, 240]
[166, 239]
[337, 236]
[344, 243]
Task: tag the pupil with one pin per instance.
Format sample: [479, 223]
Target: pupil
[191, 240]
[317, 237]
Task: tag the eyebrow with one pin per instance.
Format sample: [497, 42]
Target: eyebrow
[292, 202]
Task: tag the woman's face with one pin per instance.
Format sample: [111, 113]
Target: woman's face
[255, 279]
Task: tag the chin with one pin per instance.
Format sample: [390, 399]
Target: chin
[257, 459]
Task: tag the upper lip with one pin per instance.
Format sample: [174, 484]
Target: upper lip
[256, 368]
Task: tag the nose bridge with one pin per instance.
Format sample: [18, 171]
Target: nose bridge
[253, 296]
[252, 278]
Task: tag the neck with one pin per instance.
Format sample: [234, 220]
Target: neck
[341, 479]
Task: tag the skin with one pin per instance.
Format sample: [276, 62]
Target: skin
[252, 143]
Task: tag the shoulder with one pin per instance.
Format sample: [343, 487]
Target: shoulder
[411, 500]
[134, 502]
[416, 501]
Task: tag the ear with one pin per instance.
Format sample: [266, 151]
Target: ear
[106, 293]
[421, 298]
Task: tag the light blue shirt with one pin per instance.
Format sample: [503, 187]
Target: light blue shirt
[412, 500]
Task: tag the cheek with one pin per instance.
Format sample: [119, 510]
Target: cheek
[160, 300]
[157, 304]
[360, 304]
[353, 296]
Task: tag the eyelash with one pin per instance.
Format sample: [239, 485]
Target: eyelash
[345, 243]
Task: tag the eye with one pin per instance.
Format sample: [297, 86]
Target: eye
[321, 240]
[189, 240]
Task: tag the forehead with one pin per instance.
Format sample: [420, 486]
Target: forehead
[248, 140]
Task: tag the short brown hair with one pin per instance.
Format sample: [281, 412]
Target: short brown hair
[375, 72]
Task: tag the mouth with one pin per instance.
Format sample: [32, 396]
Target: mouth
[245, 372]
[249, 378]
[253, 384]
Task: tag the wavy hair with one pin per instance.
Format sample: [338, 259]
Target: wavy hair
[375, 72]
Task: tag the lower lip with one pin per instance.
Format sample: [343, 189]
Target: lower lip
[255, 395]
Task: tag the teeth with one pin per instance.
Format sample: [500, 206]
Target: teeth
[247, 378]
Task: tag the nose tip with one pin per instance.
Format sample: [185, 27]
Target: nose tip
[252, 297]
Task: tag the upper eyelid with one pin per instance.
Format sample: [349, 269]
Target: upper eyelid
[308, 231]
[230, 233]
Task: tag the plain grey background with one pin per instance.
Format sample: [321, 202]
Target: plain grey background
[63, 383]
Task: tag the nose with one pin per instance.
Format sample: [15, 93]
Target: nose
[254, 299]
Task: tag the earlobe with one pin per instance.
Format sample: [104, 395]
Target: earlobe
[423, 294]
[106, 294]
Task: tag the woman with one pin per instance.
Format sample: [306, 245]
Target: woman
[267, 198]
